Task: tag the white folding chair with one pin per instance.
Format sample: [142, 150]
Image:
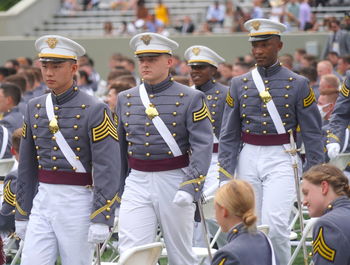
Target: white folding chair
[341, 161]
[307, 233]
[6, 164]
[146, 254]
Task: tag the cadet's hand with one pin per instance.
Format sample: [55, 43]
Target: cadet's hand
[333, 150]
[98, 233]
[183, 198]
[21, 228]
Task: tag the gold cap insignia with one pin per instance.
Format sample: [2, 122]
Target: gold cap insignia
[146, 39]
[196, 51]
[52, 42]
[256, 25]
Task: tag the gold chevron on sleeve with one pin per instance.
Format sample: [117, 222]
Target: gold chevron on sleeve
[202, 113]
[20, 210]
[345, 91]
[309, 99]
[104, 129]
[223, 171]
[9, 196]
[24, 130]
[222, 262]
[108, 205]
[229, 100]
[331, 135]
[320, 246]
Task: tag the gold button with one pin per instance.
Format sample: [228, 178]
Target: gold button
[310, 254]
[146, 144]
[40, 166]
[199, 183]
[247, 121]
[38, 157]
[128, 95]
[264, 132]
[127, 134]
[328, 131]
[214, 127]
[38, 106]
[126, 124]
[216, 98]
[286, 96]
[244, 105]
[35, 126]
[330, 206]
[245, 79]
[328, 141]
[37, 147]
[151, 96]
[201, 176]
[77, 116]
[83, 106]
[147, 134]
[56, 116]
[244, 115]
[128, 104]
[174, 113]
[74, 168]
[34, 137]
[108, 209]
[127, 114]
[108, 201]
[264, 123]
[245, 87]
[213, 112]
[148, 124]
[287, 115]
[54, 168]
[148, 154]
[36, 116]
[287, 87]
[55, 148]
[264, 114]
[287, 105]
[75, 126]
[245, 96]
[235, 231]
[264, 106]
[284, 124]
[170, 153]
[76, 138]
[129, 143]
[196, 189]
[174, 124]
[181, 94]
[56, 108]
[78, 149]
[177, 104]
[266, 81]
[174, 134]
[77, 157]
[108, 217]
[247, 131]
[267, 88]
[13, 211]
[214, 105]
[130, 153]
[75, 88]
[290, 79]
[53, 138]
[54, 158]
[217, 92]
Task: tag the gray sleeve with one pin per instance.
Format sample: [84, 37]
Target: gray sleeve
[310, 123]
[225, 257]
[200, 133]
[230, 135]
[105, 163]
[27, 171]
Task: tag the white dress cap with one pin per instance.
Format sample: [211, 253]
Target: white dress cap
[263, 29]
[58, 48]
[202, 55]
[152, 44]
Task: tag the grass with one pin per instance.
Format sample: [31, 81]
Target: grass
[7, 4]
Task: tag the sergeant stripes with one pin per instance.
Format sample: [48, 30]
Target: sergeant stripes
[9, 196]
[202, 113]
[229, 100]
[104, 129]
[320, 247]
[309, 99]
[344, 90]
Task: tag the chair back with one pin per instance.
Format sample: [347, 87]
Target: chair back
[146, 254]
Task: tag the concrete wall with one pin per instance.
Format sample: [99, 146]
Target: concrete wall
[22, 18]
[100, 49]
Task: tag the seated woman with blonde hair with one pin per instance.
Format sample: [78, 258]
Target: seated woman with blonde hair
[326, 195]
[234, 208]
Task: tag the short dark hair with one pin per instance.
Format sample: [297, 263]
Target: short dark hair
[119, 86]
[13, 91]
[19, 80]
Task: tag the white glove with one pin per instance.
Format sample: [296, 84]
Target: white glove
[21, 228]
[222, 183]
[183, 198]
[98, 233]
[333, 150]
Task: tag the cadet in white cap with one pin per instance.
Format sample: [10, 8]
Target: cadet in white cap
[165, 135]
[261, 107]
[65, 133]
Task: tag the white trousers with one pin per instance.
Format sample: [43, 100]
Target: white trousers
[58, 225]
[269, 170]
[147, 202]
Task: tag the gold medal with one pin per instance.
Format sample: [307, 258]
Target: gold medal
[151, 111]
[53, 126]
[265, 96]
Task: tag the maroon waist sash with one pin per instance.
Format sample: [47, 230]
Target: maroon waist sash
[65, 177]
[266, 139]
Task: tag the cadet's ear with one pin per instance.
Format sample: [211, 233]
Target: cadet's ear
[324, 187]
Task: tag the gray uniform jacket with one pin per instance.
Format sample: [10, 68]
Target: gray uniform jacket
[216, 97]
[12, 120]
[343, 38]
[88, 128]
[185, 113]
[246, 112]
[340, 117]
[7, 213]
[244, 248]
[331, 234]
